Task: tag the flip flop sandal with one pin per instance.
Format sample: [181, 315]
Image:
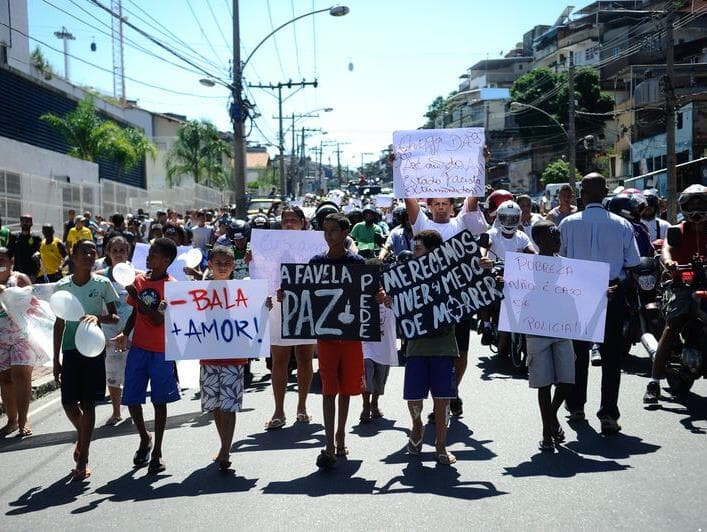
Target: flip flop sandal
[446, 459]
[156, 466]
[342, 452]
[8, 429]
[414, 447]
[113, 421]
[546, 446]
[24, 432]
[78, 475]
[326, 461]
[224, 465]
[142, 456]
[275, 423]
[558, 435]
[303, 418]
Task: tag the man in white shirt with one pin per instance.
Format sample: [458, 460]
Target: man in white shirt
[657, 227]
[596, 234]
[202, 234]
[448, 226]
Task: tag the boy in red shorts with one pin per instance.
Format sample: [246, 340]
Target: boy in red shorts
[340, 361]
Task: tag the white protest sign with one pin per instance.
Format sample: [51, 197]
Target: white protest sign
[176, 269]
[439, 163]
[270, 248]
[384, 200]
[554, 296]
[384, 352]
[216, 320]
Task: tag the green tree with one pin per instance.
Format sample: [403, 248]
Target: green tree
[548, 91]
[87, 134]
[128, 147]
[198, 152]
[38, 61]
[557, 172]
[440, 107]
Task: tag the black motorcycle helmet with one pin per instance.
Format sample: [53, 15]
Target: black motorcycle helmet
[628, 206]
[652, 200]
[260, 221]
[405, 255]
[355, 216]
[238, 230]
[324, 210]
[400, 215]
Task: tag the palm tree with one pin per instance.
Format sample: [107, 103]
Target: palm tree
[87, 134]
[198, 152]
[128, 148]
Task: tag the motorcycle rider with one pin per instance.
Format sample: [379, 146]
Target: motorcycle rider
[677, 298]
[657, 227]
[630, 205]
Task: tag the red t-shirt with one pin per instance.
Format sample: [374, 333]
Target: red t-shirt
[692, 243]
[146, 334]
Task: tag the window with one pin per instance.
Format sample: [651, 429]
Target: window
[649, 164]
[590, 52]
[636, 169]
[615, 51]
[678, 120]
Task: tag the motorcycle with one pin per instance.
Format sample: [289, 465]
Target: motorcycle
[644, 322]
[686, 361]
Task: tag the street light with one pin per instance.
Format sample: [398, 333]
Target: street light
[516, 106]
[239, 112]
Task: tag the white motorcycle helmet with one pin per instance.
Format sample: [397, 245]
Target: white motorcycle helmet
[508, 216]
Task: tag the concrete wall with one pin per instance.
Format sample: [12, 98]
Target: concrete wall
[14, 14]
[25, 158]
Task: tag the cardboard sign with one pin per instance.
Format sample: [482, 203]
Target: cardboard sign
[440, 288]
[555, 297]
[384, 201]
[335, 301]
[272, 248]
[216, 320]
[176, 269]
[384, 351]
[439, 163]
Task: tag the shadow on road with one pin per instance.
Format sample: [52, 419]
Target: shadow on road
[294, 436]
[617, 446]
[339, 481]
[636, 365]
[563, 464]
[440, 480]
[193, 419]
[496, 367]
[375, 427]
[63, 491]
[694, 407]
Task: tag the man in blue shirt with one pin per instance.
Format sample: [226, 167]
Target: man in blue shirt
[598, 235]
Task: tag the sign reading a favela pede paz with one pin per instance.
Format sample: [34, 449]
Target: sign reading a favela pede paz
[441, 288]
[439, 163]
[334, 301]
[216, 320]
[555, 297]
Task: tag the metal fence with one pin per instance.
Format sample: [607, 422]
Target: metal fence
[49, 200]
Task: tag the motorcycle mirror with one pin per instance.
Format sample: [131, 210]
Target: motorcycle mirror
[484, 240]
[674, 236]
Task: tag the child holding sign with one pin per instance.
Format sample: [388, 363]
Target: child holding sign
[146, 361]
[550, 360]
[222, 380]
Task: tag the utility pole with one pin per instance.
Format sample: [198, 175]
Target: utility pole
[66, 36]
[238, 116]
[116, 25]
[571, 132]
[669, 94]
[281, 139]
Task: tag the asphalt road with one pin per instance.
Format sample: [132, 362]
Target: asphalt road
[649, 477]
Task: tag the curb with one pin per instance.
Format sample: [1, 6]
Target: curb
[40, 387]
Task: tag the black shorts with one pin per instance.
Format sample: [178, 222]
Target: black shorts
[462, 330]
[83, 379]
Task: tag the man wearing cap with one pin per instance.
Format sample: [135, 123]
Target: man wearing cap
[25, 247]
[78, 232]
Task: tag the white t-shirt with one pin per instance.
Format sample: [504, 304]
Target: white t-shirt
[500, 244]
[656, 232]
[473, 221]
[201, 236]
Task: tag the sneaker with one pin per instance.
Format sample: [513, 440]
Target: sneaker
[652, 393]
[595, 356]
[487, 336]
[609, 426]
[455, 407]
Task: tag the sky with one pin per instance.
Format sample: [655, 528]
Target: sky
[379, 67]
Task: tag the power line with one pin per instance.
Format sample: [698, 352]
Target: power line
[201, 28]
[218, 26]
[294, 34]
[274, 37]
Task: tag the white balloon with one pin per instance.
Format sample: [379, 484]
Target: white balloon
[193, 257]
[89, 339]
[124, 274]
[66, 306]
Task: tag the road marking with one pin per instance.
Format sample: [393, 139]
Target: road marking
[44, 406]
